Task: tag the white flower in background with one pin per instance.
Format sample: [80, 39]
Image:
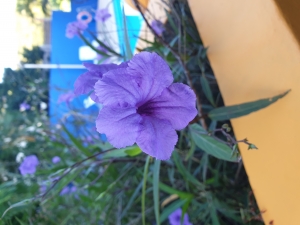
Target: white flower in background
[88, 102]
[31, 129]
[43, 105]
[20, 157]
[58, 126]
[6, 140]
[22, 144]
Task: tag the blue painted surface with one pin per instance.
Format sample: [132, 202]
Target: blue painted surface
[66, 51]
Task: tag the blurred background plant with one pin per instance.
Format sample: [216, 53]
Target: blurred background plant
[82, 179]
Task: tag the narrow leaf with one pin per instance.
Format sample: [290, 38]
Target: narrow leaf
[206, 89]
[104, 45]
[234, 111]
[211, 145]
[77, 143]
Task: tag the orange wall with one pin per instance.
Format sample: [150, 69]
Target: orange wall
[255, 55]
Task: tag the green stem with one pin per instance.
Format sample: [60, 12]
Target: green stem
[104, 45]
[91, 46]
[144, 190]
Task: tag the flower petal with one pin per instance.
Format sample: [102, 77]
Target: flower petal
[157, 138]
[85, 82]
[177, 104]
[152, 73]
[120, 125]
[119, 88]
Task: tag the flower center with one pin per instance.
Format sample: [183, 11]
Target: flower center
[145, 110]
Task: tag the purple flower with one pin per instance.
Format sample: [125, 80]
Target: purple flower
[29, 164]
[24, 106]
[85, 83]
[55, 159]
[43, 189]
[70, 188]
[66, 97]
[175, 217]
[158, 27]
[102, 15]
[141, 105]
[74, 28]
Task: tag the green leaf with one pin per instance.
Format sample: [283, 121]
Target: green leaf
[184, 172]
[111, 185]
[155, 183]
[133, 151]
[132, 198]
[77, 143]
[211, 145]
[169, 190]
[104, 45]
[92, 46]
[171, 208]
[123, 152]
[206, 89]
[230, 112]
[18, 204]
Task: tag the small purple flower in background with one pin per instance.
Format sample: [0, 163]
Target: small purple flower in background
[158, 27]
[29, 164]
[66, 97]
[74, 28]
[24, 106]
[43, 189]
[102, 15]
[174, 218]
[70, 188]
[140, 103]
[55, 159]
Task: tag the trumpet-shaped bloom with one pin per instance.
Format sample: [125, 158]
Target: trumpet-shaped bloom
[74, 28]
[175, 217]
[141, 105]
[29, 164]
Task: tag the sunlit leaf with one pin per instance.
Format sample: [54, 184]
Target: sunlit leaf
[234, 111]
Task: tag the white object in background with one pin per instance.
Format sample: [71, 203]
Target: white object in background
[86, 53]
[52, 66]
[129, 11]
[20, 157]
[88, 102]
